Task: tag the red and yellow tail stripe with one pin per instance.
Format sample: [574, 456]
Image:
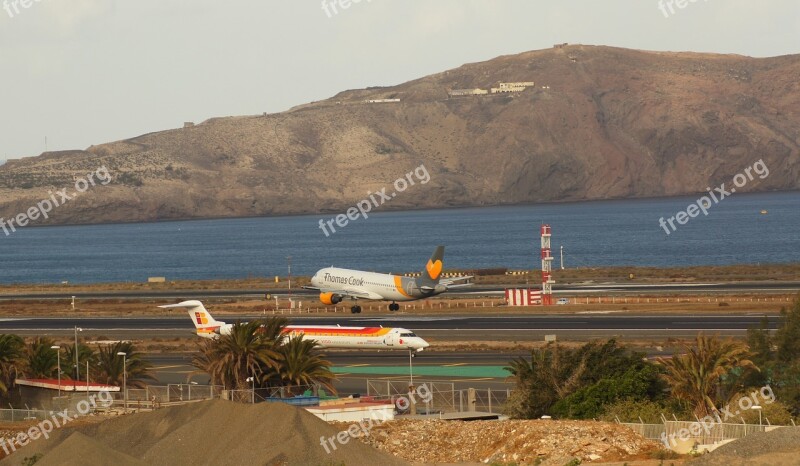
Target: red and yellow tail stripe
[342, 332]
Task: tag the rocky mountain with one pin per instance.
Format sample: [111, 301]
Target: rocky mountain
[598, 123]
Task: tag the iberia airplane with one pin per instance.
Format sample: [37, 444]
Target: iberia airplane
[335, 284]
[327, 336]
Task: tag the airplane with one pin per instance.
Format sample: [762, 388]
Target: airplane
[335, 284]
[326, 336]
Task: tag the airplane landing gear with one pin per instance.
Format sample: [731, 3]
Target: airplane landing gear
[394, 307]
[355, 309]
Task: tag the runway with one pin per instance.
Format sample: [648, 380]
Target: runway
[479, 290]
[465, 328]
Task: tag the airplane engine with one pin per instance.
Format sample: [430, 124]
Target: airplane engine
[330, 298]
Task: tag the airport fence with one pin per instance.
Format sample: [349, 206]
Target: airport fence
[500, 304]
[158, 396]
[171, 393]
[709, 434]
[443, 396]
[403, 307]
[302, 395]
[15, 415]
[676, 300]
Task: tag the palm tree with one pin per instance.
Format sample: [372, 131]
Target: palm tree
[111, 370]
[303, 365]
[249, 350]
[12, 351]
[695, 377]
[42, 359]
[85, 353]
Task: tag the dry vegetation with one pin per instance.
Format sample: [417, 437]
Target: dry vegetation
[581, 275]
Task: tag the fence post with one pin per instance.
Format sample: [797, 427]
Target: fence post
[489, 392]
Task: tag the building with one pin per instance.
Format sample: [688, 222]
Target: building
[353, 410]
[512, 87]
[41, 392]
[382, 101]
[465, 92]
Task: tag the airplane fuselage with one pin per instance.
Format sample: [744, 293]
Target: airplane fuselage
[334, 336]
[329, 336]
[378, 286]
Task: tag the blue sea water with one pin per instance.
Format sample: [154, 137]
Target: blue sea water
[601, 233]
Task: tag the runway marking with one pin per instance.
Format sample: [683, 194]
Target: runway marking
[456, 364]
[579, 329]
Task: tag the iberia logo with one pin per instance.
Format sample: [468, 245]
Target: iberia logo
[434, 269]
[201, 318]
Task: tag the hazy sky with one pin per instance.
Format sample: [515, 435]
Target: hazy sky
[82, 72]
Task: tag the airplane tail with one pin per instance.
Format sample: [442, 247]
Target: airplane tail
[197, 312]
[433, 270]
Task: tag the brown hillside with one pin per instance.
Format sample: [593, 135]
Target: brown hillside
[614, 123]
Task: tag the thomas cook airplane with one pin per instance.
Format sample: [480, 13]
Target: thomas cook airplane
[335, 284]
[327, 336]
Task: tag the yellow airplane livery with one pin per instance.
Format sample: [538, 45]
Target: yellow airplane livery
[335, 284]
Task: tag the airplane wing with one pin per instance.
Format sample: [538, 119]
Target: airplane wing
[448, 287]
[460, 285]
[452, 281]
[347, 293]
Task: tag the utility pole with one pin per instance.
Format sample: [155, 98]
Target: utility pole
[289, 263]
[562, 257]
[77, 367]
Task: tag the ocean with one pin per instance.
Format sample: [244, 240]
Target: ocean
[598, 233]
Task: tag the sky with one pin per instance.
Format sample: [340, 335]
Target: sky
[81, 72]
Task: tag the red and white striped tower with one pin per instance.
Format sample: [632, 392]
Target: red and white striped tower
[547, 267]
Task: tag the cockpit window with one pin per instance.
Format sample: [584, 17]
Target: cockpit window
[408, 335]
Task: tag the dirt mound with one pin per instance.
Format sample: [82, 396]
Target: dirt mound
[523, 442]
[215, 432]
[777, 448]
[90, 452]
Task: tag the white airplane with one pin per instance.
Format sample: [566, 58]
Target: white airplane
[335, 284]
[327, 336]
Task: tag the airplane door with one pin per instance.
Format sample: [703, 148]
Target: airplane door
[390, 339]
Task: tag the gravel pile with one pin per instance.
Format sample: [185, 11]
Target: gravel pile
[208, 433]
[512, 441]
[781, 447]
